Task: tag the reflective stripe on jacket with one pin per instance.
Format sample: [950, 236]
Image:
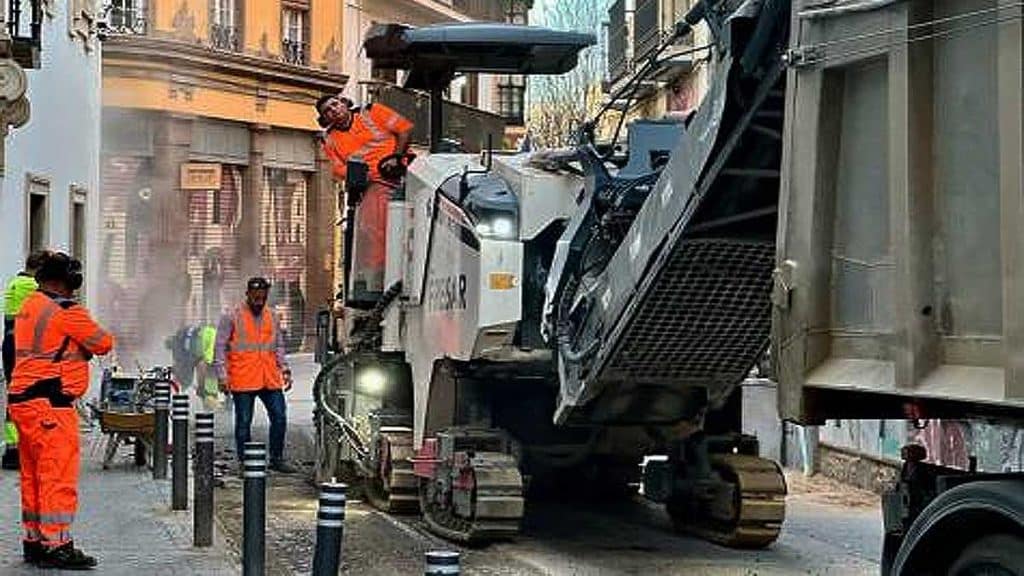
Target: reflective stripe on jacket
[55, 338]
[370, 138]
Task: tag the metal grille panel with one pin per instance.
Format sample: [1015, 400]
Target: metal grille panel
[706, 318]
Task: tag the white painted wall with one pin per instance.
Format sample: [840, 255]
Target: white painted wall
[61, 143]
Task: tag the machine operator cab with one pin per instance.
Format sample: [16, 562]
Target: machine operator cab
[433, 56]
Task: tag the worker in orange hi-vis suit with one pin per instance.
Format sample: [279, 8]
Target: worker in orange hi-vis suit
[378, 136]
[54, 340]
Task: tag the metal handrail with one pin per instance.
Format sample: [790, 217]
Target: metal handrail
[294, 52]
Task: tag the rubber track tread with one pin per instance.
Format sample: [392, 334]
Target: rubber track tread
[500, 480]
[400, 495]
[762, 505]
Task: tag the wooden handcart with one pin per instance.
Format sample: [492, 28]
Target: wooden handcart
[123, 427]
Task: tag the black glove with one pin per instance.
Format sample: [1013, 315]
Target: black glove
[394, 167]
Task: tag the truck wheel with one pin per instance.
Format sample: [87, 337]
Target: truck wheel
[994, 555]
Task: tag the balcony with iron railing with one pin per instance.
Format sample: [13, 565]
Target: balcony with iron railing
[295, 52]
[619, 41]
[646, 28]
[24, 25]
[125, 17]
[468, 125]
[223, 37]
[653, 24]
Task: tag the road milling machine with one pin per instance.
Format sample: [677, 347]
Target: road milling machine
[551, 319]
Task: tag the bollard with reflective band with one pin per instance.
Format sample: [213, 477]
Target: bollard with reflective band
[179, 463]
[254, 508]
[202, 487]
[442, 564]
[330, 522]
[161, 409]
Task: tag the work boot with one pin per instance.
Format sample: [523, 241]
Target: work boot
[282, 467]
[66, 557]
[32, 552]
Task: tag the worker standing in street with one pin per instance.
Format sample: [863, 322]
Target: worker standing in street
[18, 289]
[249, 358]
[378, 136]
[54, 338]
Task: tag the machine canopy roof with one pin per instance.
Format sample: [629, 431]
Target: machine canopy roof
[433, 55]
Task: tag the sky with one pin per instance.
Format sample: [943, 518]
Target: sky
[578, 16]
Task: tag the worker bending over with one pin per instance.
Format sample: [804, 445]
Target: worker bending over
[379, 137]
[54, 339]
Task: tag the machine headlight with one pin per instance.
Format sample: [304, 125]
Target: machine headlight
[372, 381]
[501, 227]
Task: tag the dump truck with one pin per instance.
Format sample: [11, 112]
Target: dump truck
[897, 291]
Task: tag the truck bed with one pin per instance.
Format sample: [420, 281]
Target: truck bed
[899, 284]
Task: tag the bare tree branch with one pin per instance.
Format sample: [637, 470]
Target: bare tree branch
[560, 104]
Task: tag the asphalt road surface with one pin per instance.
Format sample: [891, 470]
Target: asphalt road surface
[830, 529]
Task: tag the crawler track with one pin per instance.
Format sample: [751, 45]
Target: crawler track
[497, 503]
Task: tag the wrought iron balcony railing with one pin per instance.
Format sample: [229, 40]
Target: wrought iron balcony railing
[135, 25]
[225, 37]
[125, 17]
[646, 28]
[295, 52]
[619, 41]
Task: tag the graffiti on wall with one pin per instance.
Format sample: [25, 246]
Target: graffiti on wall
[997, 447]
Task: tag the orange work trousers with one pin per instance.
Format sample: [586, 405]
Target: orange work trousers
[48, 452]
[370, 250]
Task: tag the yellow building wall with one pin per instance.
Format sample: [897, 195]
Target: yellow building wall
[326, 24]
[262, 37]
[144, 94]
[263, 17]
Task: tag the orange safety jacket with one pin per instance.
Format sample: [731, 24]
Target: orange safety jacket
[370, 138]
[54, 339]
[251, 356]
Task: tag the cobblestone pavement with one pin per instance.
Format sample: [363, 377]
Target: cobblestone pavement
[124, 519]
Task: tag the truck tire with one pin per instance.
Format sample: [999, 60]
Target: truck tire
[993, 555]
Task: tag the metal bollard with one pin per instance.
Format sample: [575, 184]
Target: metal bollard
[254, 508]
[179, 464]
[202, 487]
[161, 408]
[330, 522]
[441, 563]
